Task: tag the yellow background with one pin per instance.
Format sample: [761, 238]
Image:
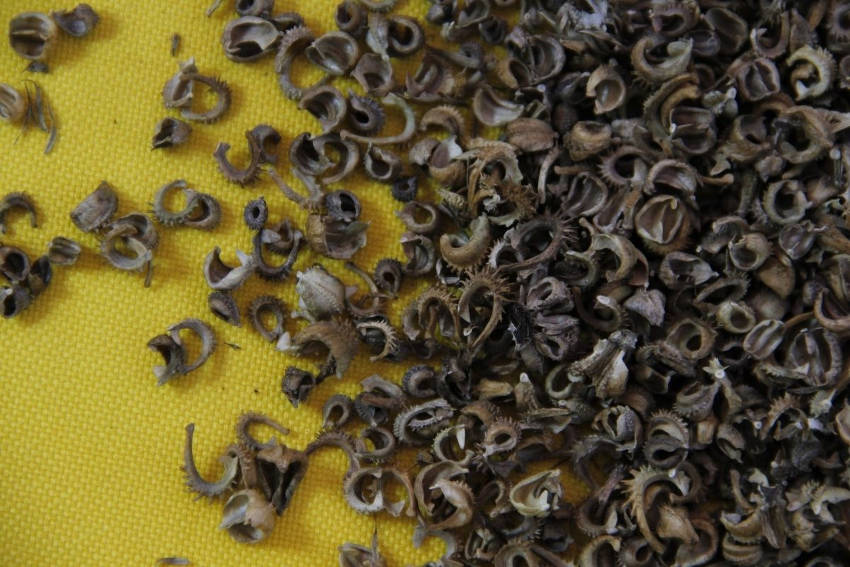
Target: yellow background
[91, 448]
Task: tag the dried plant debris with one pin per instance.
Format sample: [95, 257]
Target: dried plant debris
[29, 107]
[13, 104]
[222, 277]
[170, 132]
[249, 38]
[259, 479]
[128, 242]
[335, 234]
[96, 210]
[26, 279]
[78, 22]
[200, 210]
[173, 350]
[16, 201]
[41, 114]
[31, 35]
[63, 251]
[223, 306]
[355, 555]
[179, 92]
[639, 273]
[247, 174]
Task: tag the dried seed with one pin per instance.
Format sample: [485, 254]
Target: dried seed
[31, 35]
[222, 277]
[350, 17]
[169, 217]
[223, 306]
[249, 38]
[273, 241]
[405, 189]
[405, 135]
[13, 105]
[327, 104]
[233, 174]
[78, 22]
[261, 8]
[14, 264]
[335, 52]
[13, 201]
[206, 215]
[268, 305]
[320, 294]
[336, 411]
[338, 337]
[170, 132]
[382, 165]
[123, 249]
[375, 75]
[63, 251]
[404, 36]
[248, 516]
[367, 116]
[203, 332]
[293, 43]
[388, 275]
[491, 110]
[179, 93]
[14, 300]
[96, 210]
[196, 483]
[267, 138]
[256, 213]
[297, 385]
[179, 90]
[342, 205]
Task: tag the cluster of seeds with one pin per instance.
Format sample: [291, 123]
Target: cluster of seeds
[643, 275]
[27, 279]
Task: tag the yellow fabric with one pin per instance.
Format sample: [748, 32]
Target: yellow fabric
[91, 447]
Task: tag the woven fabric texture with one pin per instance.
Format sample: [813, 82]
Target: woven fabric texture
[91, 447]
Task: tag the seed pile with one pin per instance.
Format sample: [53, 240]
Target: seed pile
[643, 275]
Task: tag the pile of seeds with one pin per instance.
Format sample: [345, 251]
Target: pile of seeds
[643, 276]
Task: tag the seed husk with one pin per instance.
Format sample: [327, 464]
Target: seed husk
[96, 210]
[77, 22]
[170, 132]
